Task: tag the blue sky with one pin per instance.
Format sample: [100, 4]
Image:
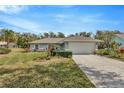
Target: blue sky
[66, 19]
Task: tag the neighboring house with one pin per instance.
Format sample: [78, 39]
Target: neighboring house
[119, 38]
[78, 44]
[12, 45]
[3, 44]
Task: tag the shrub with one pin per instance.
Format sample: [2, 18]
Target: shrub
[111, 53]
[67, 54]
[106, 52]
[121, 50]
[103, 52]
[5, 50]
[114, 54]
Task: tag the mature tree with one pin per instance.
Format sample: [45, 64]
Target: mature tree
[60, 35]
[41, 36]
[82, 33]
[106, 36]
[52, 34]
[8, 36]
[46, 35]
[25, 38]
[20, 42]
[33, 37]
[71, 35]
[85, 34]
[88, 34]
[76, 34]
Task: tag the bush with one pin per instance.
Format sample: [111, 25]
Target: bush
[5, 50]
[121, 50]
[103, 52]
[114, 54]
[106, 52]
[111, 53]
[67, 54]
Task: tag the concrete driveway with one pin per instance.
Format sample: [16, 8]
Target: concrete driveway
[103, 72]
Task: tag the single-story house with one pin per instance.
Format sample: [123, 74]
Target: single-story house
[12, 45]
[3, 44]
[77, 44]
[119, 38]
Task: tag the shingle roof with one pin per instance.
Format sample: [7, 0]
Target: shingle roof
[59, 40]
[48, 40]
[120, 35]
[81, 38]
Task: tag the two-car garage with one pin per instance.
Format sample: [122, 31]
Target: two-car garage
[80, 45]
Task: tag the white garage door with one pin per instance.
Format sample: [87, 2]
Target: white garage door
[81, 47]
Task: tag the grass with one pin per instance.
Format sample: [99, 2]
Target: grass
[21, 57]
[24, 71]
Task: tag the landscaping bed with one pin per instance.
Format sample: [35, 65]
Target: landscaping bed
[32, 70]
[118, 54]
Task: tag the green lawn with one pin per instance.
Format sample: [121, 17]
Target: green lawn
[25, 70]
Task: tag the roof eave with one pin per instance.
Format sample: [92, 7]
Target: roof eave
[83, 41]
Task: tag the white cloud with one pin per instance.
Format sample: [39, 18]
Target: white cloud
[97, 19]
[61, 18]
[93, 19]
[89, 22]
[25, 24]
[12, 9]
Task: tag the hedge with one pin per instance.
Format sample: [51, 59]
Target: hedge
[5, 50]
[62, 53]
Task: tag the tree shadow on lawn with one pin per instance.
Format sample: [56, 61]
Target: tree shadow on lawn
[103, 79]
